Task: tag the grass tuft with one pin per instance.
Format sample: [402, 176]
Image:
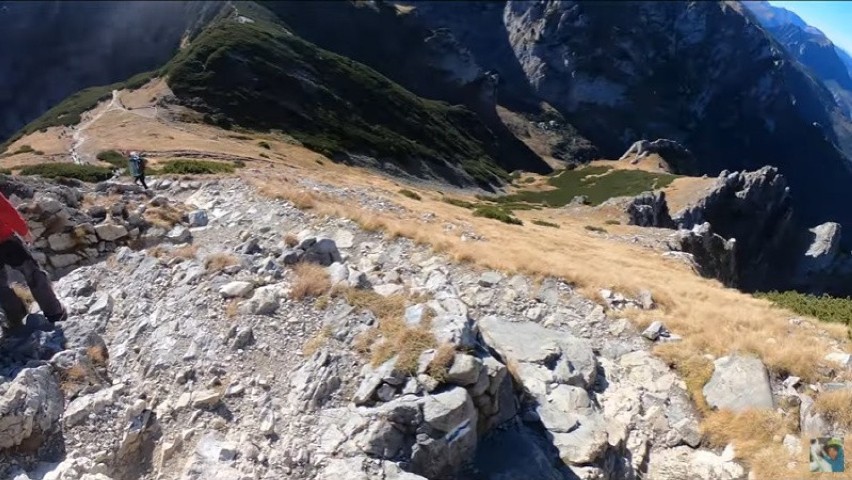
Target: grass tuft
[311, 281]
[440, 365]
[216, 262]
[836, 407]
[408, 193]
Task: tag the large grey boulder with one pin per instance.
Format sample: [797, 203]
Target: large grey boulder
[451, 418]
[739, 383]
[549, 356]
[31, 405]
[110, 232]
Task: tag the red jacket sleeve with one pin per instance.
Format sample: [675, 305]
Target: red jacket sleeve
[10, 216]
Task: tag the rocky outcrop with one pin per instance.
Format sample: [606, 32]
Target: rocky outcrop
[649, 210]
[755, 208]
[678, 157]
[713, 255]
[72, 229]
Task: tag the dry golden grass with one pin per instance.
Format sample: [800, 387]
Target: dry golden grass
[311, 281]
[392, 336]
[299, 197]
[72, 380]
[186, 252]
[316, 342]
[835, 406]
[440, 365]
[164, 217]
[405, 342]
[216, 262]
[751, 431]
[291, 240]
[98, 355]
[232, 308]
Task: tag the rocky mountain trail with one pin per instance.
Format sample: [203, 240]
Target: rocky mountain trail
[196, 360]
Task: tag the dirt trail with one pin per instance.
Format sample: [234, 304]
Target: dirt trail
[79, 138]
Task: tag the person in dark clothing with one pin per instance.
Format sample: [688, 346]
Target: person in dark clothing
[14, 237]
[137, 168]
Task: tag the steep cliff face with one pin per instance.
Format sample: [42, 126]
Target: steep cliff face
[431, 63]
[700, 73]
[810, 47]
[756, 209]
[62, 47]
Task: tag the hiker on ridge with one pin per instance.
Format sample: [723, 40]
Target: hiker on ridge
[137, 168]
[14, 237]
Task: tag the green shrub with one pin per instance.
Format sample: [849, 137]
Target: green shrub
[612, 222]
[85, 173]
[408, 193]
[113, 158]
[195, 167]
[545, 224]
[593, 228]
[528, 180]
[24, 149]
[239, 137]
[496, 213]
[264, 145]
[263, 155]
[825, 308]
[5, 171]
[459, 203]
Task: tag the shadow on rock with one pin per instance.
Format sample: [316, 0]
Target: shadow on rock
[35, 341]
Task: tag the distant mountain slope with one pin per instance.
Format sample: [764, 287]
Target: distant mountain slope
[701, 73]
[52, 49]
[811, 48]
[251, 70]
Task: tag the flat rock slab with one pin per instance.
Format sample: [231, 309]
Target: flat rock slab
[739, 383]
[571, 359]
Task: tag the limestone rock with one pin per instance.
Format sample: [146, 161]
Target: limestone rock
[683, 462]
[31, 405]
[109, 232]
[236, 289]
[739, 383]
[448, 410]
[557, 355]
[649, 209]
[198, 218]
[464, 370]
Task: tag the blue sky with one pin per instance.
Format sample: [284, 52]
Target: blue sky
[833, 18]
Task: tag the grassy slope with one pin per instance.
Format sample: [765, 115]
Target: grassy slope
[68, 111]
[258, 75]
